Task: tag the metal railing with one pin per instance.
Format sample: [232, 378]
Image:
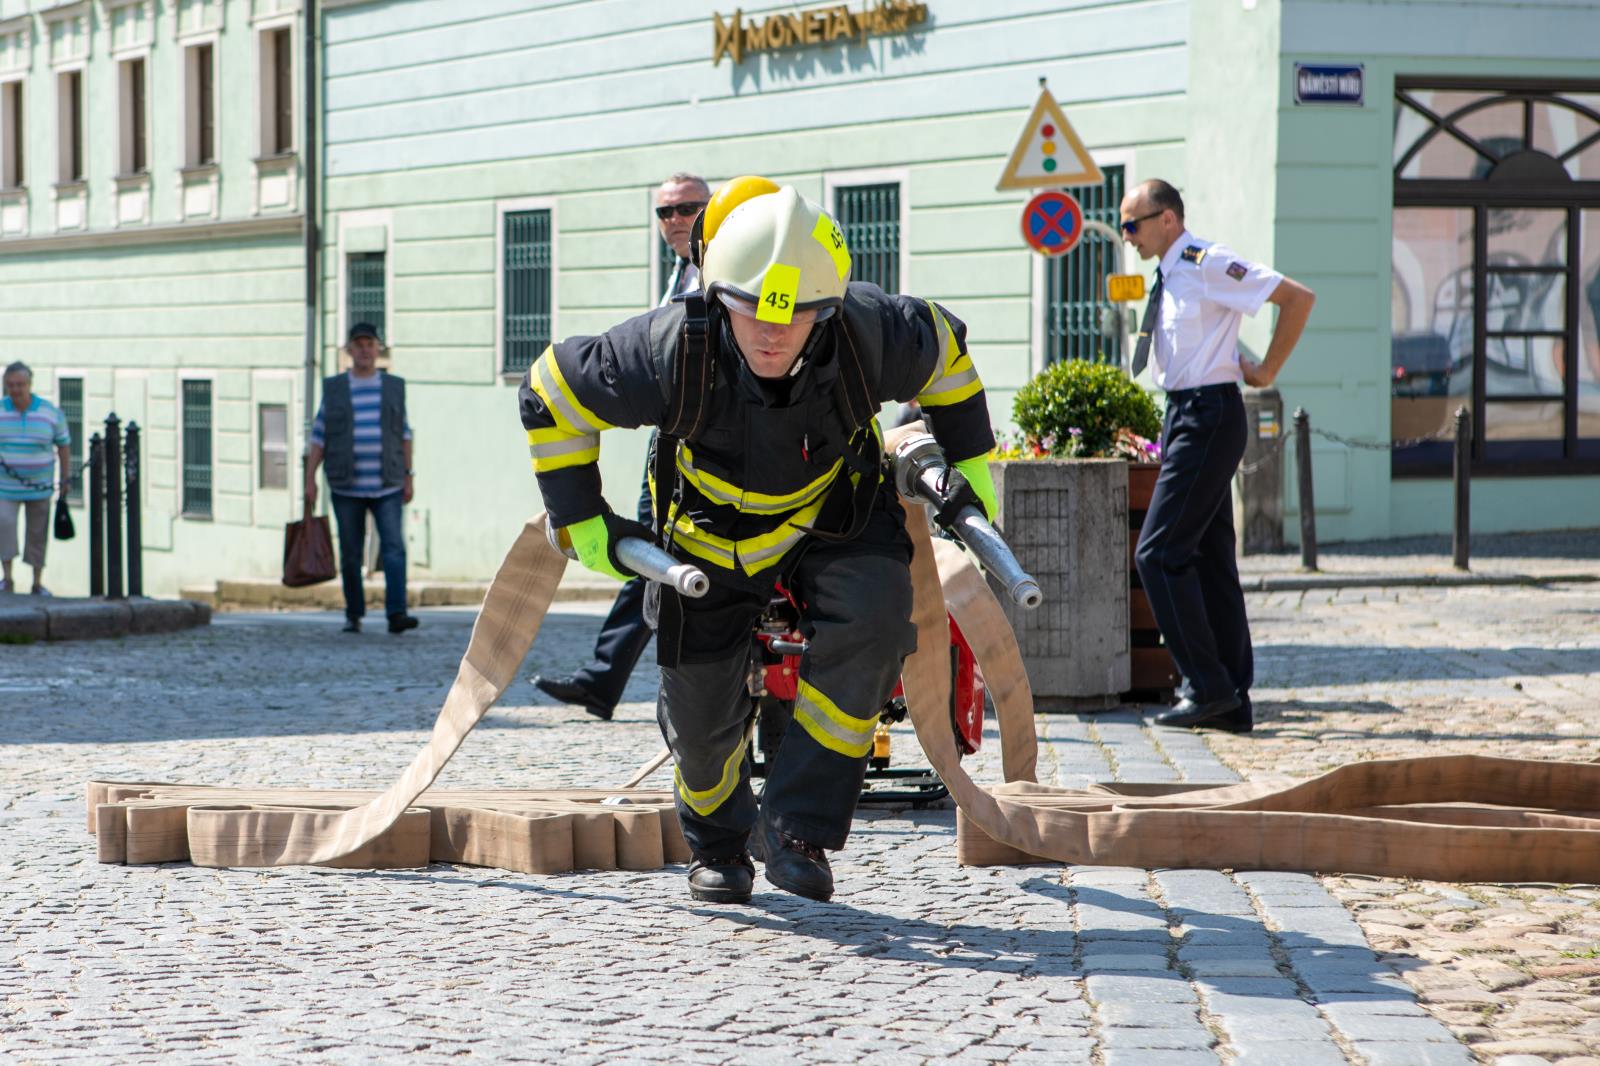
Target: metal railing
[115, 475]
[1461, 434]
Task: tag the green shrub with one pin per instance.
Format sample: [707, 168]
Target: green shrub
[1076, 408]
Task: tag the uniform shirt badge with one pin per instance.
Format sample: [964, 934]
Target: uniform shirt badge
[1237, 270]
[1193, 254]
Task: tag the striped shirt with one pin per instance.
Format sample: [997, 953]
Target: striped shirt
[366, 396]
[28, 440]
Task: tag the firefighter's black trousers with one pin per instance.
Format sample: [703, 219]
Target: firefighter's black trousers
[856, 617]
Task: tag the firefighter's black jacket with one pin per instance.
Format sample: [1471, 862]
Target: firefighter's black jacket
[766, 455]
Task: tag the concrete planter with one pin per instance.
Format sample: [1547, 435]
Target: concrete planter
[1067, 522]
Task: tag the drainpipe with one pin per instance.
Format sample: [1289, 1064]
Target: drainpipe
[309, 169]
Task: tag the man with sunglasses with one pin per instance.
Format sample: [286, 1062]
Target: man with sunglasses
[598, 687]
[769, 469]
[1185, 554]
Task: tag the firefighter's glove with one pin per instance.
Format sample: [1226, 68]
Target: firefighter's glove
[595, 540]
[967, 484]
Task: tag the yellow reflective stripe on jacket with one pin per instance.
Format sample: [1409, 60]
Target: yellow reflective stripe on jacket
[831, 727]
[956, 378]
[726, 492]
[751, 554]
[547, 380]
[703, 803]
[554, 449]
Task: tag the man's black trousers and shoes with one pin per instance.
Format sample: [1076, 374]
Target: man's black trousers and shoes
[624, 635]
[1185, 558]
[856, 618]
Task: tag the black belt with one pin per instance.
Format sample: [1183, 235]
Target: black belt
[1189, 394]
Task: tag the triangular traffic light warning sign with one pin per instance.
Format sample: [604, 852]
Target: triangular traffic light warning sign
[1049, 154]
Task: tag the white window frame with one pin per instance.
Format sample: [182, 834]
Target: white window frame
[502, 208]
[10, 166]
[834, 180]
[190, 102]
[1127, 159]
[349, 220]
[125, 168]
[266, 89]
[177, 504]
[60, 73]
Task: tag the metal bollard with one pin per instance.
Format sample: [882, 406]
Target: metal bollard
[1461, 531]
[113, 507]
[95, 471]
[130, 463]
[1308, 503]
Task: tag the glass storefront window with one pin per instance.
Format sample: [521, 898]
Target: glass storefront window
[1589, 336]
[1431, 332]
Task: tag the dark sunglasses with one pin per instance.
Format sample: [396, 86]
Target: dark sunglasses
[1131, 226]
[684, 210]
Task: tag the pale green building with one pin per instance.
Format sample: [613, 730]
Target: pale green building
[485, 170]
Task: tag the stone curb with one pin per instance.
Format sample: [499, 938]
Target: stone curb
[96, 619]
[1312, 582]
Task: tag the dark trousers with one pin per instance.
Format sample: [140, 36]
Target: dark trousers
[856, 617]
[351, 513]
[1185, 555]
[624, 635]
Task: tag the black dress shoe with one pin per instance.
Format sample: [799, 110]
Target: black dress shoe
[399, 623]
[796, 866]
[351, 625]
[722, 880]
[1216, 714]
[567, 690]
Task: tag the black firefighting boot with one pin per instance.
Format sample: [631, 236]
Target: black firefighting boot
[728, 880]
[794, 865]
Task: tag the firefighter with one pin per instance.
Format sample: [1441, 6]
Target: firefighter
[765, 389]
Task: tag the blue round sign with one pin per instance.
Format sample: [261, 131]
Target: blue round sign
[1052, 223]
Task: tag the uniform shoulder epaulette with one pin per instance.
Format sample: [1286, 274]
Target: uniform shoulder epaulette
[1194, 253]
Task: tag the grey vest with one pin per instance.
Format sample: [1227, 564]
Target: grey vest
[339, 431]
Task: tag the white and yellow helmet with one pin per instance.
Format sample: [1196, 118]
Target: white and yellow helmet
[772, 247]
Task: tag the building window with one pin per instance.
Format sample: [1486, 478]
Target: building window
[135, 142]
[272, 424]
[197, 448]
[277, 92]
[364, 291]
[1495, 282]
[69, 126]
[70, 394]
[12, 140]
[666, 263]
[528, 288]
[1079, 322]
[200, 134]
[869, 216]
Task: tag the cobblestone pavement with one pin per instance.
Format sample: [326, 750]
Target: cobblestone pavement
[916, 960]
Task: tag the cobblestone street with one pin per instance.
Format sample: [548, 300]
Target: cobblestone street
[916, 959]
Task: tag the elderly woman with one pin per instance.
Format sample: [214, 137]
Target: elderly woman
[29, 428]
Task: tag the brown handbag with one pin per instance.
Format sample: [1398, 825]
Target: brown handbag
[307, 552]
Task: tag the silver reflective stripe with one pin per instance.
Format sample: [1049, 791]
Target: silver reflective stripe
[951, 382]
[853, 741]
[551, 449]
[553, 393]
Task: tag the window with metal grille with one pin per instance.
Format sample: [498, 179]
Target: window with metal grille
[197, 449]
[869, 216]
[528, 288]
[272, 421]
[364, 291]
[1076, 325]
[70, 393]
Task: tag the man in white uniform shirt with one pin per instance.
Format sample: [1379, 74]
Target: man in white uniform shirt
[1185, 554]
[597, 688]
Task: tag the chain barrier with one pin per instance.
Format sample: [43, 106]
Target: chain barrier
[1278, 442]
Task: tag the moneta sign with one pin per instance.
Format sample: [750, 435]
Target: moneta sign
[820, 25]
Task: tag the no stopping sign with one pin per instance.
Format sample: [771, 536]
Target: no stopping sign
[1052, 223]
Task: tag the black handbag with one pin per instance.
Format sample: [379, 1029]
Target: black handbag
[64, 530]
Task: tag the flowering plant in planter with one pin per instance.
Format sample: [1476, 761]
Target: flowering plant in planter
[1081, 410]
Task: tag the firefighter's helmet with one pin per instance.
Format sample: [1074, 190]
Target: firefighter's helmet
[772, 247]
